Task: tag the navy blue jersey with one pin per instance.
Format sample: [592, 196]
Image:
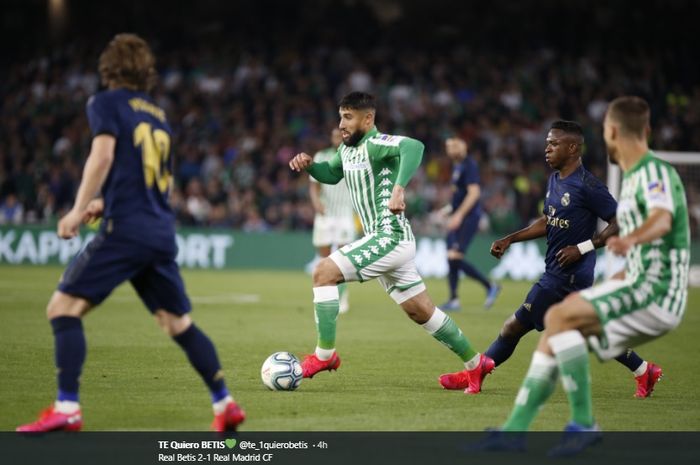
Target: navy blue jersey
[573, 206]
[137, 187]
[463, 174]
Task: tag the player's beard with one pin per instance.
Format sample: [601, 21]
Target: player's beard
[354, 138]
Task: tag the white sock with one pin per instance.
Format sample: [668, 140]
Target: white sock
[66, 407]
[220, 406]
[324, 354]
[472, 362]
[567, 345]
[642, 369]
[435, 322]
[542, 366]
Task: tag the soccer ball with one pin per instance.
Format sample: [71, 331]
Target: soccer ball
[281, 371]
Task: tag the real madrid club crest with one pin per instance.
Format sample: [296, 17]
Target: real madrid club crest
[565, 200]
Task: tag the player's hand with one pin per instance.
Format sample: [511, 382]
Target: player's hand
[396, 204]
[499, 247]
[319, 209]
[93, 210]
[620, 245]
[454, 221]
[69, 224]
[300, 162]
[568, 255]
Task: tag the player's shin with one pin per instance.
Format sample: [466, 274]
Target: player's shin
[538, 385]
[70, 351]
[446, 331]
[502, 348]
[202, 355]
[570, 350]
[326, 307]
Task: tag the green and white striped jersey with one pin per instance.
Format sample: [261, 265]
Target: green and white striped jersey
[659, 269]
[334, 197]
[370, 170]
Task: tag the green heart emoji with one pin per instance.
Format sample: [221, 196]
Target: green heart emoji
[231, 443]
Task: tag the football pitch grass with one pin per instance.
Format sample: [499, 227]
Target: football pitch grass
[136, 379]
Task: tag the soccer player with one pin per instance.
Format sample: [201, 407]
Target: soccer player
[334, 223]
[463, 223]
[574, 202]
[644, 302]
[376, 168]
[130, 162]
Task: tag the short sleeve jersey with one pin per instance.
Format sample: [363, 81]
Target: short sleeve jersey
[137, 187]
[572, 207]
[463, 174]
[659, 270]
[370, 169]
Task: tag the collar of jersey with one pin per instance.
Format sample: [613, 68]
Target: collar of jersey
[645, 157]
[558, 173]
[371, 133]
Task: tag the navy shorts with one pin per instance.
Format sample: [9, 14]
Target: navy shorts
[460, 238]
[546, 292]
[109, 260]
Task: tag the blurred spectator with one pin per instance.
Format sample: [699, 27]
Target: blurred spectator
[240, 110]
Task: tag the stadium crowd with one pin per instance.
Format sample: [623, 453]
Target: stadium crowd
[239, 115]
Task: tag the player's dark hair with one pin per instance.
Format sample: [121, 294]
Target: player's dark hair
[358, 101]
[127, 61]
[632, 113]
[569, 127]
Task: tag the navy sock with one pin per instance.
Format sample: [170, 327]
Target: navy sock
[473, 273]
[453, 277]
[70, 349]
[630, 359]
[202, 355]
[501, 349]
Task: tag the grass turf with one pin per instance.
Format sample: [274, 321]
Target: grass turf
[136, 379]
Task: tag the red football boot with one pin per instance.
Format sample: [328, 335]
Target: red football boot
[312, 365]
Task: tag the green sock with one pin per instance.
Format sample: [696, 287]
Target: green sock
[326, 316]
[570, 351]
[444, 329]
[326, 309]
[539, 384]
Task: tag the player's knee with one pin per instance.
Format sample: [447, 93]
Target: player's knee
[326, 273]
[419, 308]
[54, 310]
[454, 255]
[513, 329]
[172, 324]
[62, 304]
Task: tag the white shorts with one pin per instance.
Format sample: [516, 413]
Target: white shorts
[625, 325]
[385, 258]
[333, 230]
